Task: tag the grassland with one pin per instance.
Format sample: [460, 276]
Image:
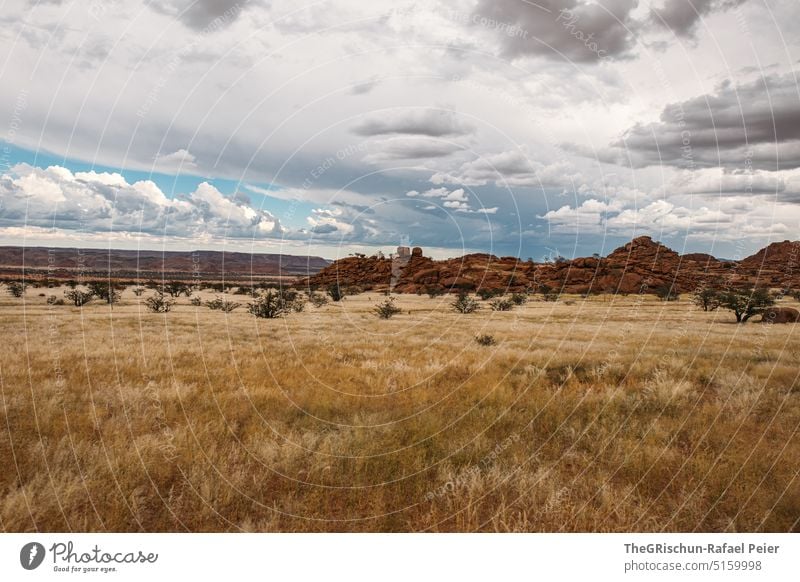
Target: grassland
[602, 415]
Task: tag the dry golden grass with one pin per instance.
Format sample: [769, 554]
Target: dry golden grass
[604, 415]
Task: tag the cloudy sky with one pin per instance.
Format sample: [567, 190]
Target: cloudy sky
[517, 127]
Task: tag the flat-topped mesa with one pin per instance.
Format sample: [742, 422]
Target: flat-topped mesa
[642, 265]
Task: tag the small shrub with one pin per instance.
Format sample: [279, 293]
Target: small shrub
[159, 303]
[16, 288]
[177, 288]
[268, 306]
[298, 305]
[485, 340]
[487, 293]
[218, 304]
[53, 300]
[464, 304]
[434, 291]
[519, 298]
[501, 305]
[335, 292]
[138, 291]
[317, 299]
[667, 293]
[196, 301]
[548, 294]
[387, 309]
[105, 291]
[78, 298]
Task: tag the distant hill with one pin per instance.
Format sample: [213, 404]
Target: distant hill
[65, 263]
[641, 265]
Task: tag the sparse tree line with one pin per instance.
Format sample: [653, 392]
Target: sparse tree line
[269, 300]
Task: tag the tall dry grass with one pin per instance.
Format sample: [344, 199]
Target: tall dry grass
[605, 415]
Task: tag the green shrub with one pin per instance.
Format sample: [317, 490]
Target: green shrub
[387, 309]
[464, 304]
[219, 304]
[269, 305]
[16, 288]
[501, 305]
[335, 292]
[519, 298]
[78, 298]
[159, 303]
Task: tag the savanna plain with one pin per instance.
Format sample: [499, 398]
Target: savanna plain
[587, 414]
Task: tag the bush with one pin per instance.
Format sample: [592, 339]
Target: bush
[335, 292]
[746, 303]
[196, 301]
[387, 309]
[706, 298]
[53, 300]
[79, 298]
[485, 340]
[298, 305]
[519, 298]
[138, 291]
[159, 303]
[667, 293]
[176, 289]
[218, 304]
[488, 293]
[268, 306]
[16, 288]
[434, 291]
[317, 299]
[105, 291]
[501, 305]
[548, 294]
[464, 303]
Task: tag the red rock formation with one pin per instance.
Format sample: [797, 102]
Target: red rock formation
[642, 265]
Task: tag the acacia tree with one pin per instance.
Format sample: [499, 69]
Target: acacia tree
[746, 303]
[106, 291]
[177, 288]
[706, 298]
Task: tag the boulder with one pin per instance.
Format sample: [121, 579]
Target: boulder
[780, 315]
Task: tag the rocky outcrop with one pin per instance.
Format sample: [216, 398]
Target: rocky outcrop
[642, 265]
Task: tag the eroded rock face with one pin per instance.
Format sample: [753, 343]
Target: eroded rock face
[780, 315]
[641, 266]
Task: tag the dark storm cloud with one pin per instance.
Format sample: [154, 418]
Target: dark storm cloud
[202, 14]
[682, 16]
[573, 29]
[403, 148]
[757, 121]
[428, 122]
